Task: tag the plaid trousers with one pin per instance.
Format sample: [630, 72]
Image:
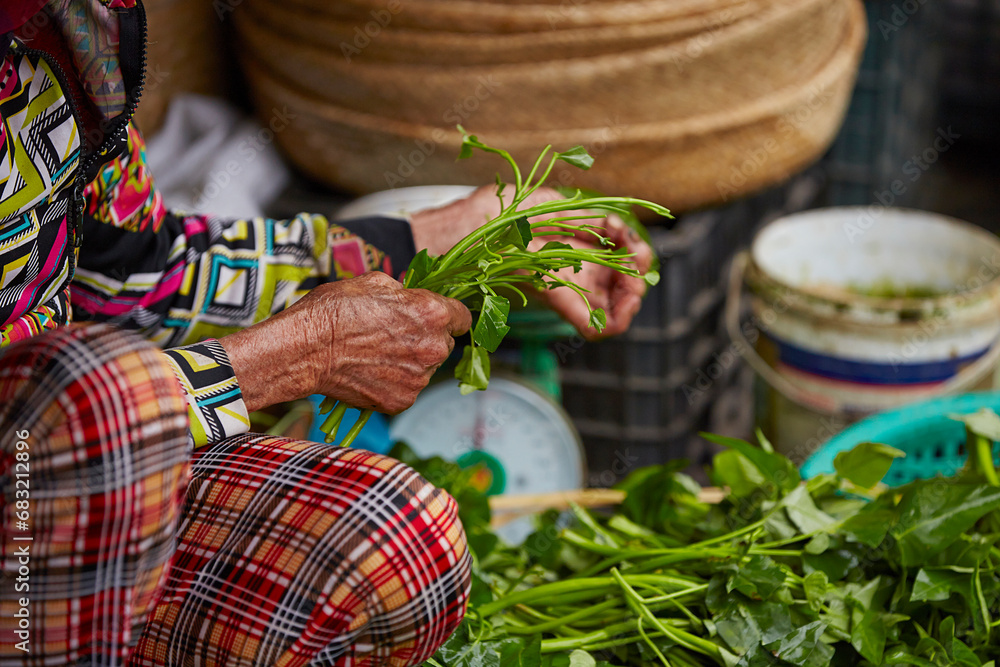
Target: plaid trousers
[121, 547]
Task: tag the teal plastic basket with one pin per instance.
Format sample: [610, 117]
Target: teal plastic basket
[934, 444]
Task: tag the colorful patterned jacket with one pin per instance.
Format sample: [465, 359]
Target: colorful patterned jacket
[85, 235]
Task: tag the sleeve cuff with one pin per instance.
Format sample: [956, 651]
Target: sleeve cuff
[392, 235]
[215, 402]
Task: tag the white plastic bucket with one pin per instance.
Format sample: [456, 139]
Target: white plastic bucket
[827, 352]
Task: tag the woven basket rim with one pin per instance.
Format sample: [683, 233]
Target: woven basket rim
[842, 63]
[416, 38]
[611, 12]
[613, 61]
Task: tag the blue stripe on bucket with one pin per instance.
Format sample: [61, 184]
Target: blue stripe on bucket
[869, 372]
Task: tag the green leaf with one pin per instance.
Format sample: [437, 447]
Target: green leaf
[579, 658]
[985, 422]
[662, 499]
[957, 650]
[757, 577]
[481, 542]
[465, 152]
[577, 156]
[815, 586]
[557, 245]
[968, 552]
[868, 630]
[543, 545]
[931, 648]
[598, 319]
[473, 371]
[651, 277]
[780, 526]
[743, 623]
[521, 652]
[731, 468]
[759, 656]
[963, 655]
[870, 525]
[803, 646]
[835, 564]
[938, 585]
[518, 234]
[803, 512]
[775, 467]
[480, 592]
[818, 544]
[420, 267]
[902, 656]
[933, 514]
[867, 463]
[469, 142]
[576, 658]
[983, 428]
[491, 326]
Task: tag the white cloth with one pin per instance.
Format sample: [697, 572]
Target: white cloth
[210, 158]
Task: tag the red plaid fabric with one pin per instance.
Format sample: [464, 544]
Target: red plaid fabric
[287, 552]
[94, 495]
[298, 553]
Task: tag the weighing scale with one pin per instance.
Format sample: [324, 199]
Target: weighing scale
[523, 440]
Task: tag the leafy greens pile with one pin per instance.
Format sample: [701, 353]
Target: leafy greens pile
[495, 259]
[836, 570]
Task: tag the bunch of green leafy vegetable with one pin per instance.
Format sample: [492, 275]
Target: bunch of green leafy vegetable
[495, 260]
[836, 570]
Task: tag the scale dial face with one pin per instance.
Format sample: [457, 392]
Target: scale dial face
[525, 441]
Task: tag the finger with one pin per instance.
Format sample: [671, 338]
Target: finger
[621, 314]
[624, 236]
[568, 305]
[459, 317]
[643, 253]
[627, 285]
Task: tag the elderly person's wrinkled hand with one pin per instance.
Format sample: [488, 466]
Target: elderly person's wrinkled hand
[367, 341]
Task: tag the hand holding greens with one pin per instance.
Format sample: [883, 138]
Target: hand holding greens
[494, 262]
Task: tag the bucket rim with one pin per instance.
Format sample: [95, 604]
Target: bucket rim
[949, 300]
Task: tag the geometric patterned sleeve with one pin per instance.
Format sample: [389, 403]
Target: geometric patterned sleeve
[215, 404]
[182, 278]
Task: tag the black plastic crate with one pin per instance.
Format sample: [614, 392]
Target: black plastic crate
[649, 391]
[970, 95]
[892, 113]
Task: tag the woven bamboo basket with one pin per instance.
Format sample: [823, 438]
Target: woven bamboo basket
[371, 41]
[183, 56]
[683, 164]
[486, 16]
[738, 64]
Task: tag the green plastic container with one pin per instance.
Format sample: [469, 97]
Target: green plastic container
[934, 444]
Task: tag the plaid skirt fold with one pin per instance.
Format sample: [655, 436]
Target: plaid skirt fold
[253, 551]
[93, 463]
[298, 553]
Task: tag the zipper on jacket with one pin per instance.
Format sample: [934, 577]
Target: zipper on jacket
[132, 97]
[77, 203]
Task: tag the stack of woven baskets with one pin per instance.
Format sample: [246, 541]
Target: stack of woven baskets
[184, 55]
[686, 102]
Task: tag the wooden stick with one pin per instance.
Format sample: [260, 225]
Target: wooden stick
[559, 500]
[506, 508]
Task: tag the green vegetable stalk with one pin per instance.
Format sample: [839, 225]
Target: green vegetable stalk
[495, 258]
[834, 571]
